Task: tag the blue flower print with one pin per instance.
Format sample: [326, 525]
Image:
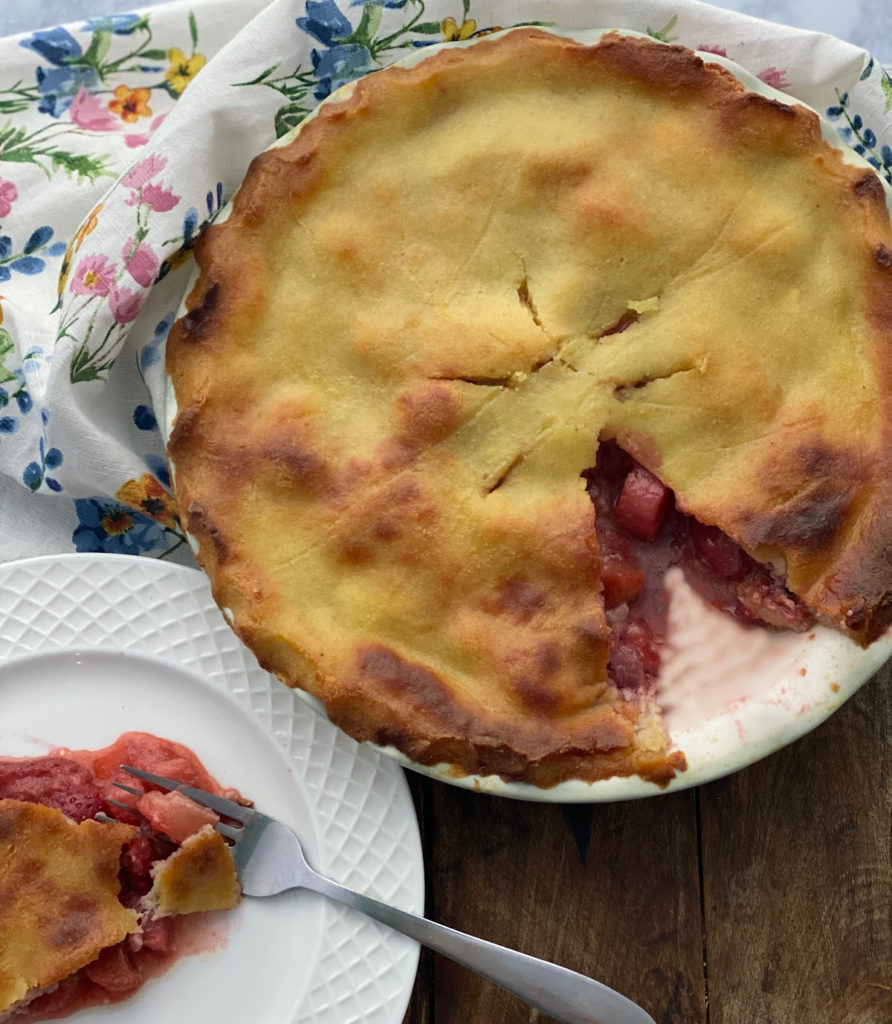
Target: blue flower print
[344, 59]
[35, 473]
[339, 65]
[144, 418]
[15, 390]
[26, 261]
[59, 85]
[158, 466]
[150, 354]
[120, 24]
[20, 395]
[15, 396]
[57, 45]
[325, 22]
[861, 138]
[190, 223]
[106, 525]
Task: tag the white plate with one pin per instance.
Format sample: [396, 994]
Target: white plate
[94, 645]
[726, 705]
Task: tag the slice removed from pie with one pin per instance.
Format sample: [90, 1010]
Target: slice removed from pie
[427, 315]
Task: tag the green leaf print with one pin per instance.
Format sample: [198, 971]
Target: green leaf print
[6, 346]
[886, 82]
[428, 28]
[663, 33]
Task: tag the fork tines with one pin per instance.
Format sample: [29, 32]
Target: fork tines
[129, 789]
[220, 804]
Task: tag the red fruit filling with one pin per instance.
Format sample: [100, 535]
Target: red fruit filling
[80, 783]
[54, 782]
[642, 533]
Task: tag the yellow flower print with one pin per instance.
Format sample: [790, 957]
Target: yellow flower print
[182, 68]
[117, 522]
[131, 104]
[452, 31]
[146, 495]
[76, 242]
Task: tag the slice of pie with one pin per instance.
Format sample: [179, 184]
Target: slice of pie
[89, 910]
[59, 905]
[489, 329]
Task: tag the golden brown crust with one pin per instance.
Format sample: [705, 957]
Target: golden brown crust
[58, 896]
[388, 388]
[200, 875]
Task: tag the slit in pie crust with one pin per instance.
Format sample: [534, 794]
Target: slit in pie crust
[425, 313]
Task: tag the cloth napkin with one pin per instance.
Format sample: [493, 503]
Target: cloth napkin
[122, 137]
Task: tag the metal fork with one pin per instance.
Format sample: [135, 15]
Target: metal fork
[269, 859]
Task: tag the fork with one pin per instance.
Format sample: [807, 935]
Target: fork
[269, 859]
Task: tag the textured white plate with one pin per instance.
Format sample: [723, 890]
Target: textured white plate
[728, 702]
[94, 645]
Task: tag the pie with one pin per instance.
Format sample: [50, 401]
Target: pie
[486, 331]
[87, 908]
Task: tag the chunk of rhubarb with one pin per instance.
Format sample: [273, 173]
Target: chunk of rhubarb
[642, 504]
[175, 814]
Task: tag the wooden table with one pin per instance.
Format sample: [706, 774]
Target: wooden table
[763, 898]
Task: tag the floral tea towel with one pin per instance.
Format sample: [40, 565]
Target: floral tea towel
[122, 137]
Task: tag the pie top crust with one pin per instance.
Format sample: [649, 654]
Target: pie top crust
[59, 902]
[423, 313]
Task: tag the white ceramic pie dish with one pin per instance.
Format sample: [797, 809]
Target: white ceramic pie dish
[731, 695]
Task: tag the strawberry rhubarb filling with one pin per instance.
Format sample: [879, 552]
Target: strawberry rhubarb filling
[642, 534]
[81, 784]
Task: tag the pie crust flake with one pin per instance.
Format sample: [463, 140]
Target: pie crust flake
[425, 313]
[198, 876]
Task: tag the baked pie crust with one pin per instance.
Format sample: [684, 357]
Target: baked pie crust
[199, 875]
[425, 311]
[58, 896]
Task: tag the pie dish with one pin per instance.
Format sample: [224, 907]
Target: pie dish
[479, 285]
[87, 907]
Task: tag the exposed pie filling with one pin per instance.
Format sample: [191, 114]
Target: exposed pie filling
[80, 784]
[642, 534]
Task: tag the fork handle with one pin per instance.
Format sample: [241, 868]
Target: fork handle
[561, 993]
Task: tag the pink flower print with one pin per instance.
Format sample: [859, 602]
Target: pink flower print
[135, 139]
[776, 77]
[718, 50]
[8, 195]
[160, 199]
[124, 304]
[144, 171]
[142, 264]
[94, 275]
[87, 112]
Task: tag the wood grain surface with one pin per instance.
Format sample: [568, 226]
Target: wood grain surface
[763, 898]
